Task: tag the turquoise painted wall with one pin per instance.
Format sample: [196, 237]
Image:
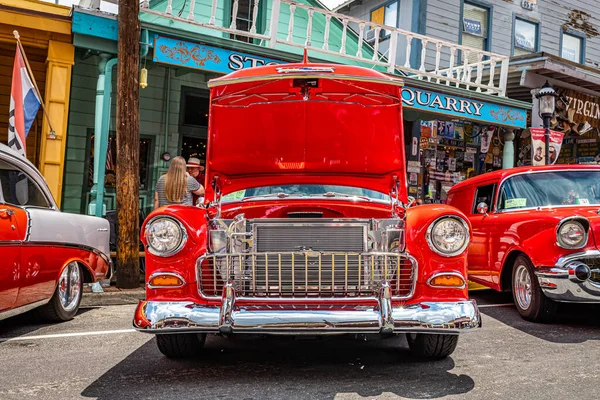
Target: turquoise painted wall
[152, 123]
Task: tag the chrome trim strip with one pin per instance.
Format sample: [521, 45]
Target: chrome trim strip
[427, 317]
[105, 257]
[564, 260]
[22, 309]
[311, 75]
[181, 244]
[435, 249]
[348, 199]
[155, 274]
[432, 277]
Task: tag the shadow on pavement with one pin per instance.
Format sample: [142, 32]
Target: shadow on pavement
[281, 367]
[574, 323]
[28, 322]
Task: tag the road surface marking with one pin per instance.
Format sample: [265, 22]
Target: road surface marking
[61, 335]
[494, 305]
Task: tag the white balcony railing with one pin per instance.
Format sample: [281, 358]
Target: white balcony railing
[293, 24]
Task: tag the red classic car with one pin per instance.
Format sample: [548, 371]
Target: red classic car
[535, 232]
[45, 255]
[307, 230]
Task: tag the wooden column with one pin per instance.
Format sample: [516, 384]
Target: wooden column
[57, 94]
[128, 142]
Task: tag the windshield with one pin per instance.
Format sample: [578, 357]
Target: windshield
[550, 189]
[306, 191]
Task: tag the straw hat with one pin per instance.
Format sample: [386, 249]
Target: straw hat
[194, 163]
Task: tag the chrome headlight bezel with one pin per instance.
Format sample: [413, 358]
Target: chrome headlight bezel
[572, 221]
[431, 242]
[175, 249]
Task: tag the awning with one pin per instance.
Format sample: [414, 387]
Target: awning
[531, 71]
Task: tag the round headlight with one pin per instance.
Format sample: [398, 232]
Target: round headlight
[571, 235]
[448, 236]
[165, 236]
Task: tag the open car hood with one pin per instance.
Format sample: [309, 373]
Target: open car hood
[306, 124]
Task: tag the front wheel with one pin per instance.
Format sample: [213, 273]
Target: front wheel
[180, 345]
[64, 304]
[530, 301]
[432, 346]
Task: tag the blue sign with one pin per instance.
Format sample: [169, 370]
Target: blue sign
[199, 56]
[208, 58]
[472, 27]
[461, 107]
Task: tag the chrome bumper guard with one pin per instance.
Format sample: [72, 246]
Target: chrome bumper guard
[429, 317]
[560, 283]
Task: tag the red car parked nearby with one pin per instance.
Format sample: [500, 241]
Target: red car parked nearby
[535, 232]
[45, 255]
[308, 230]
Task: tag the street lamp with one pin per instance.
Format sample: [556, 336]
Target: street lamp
[547, 97]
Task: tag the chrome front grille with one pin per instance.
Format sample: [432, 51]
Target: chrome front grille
[307, 274]
[594, 264]
[295, 237]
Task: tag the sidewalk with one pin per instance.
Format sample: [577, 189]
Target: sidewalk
[112, 296]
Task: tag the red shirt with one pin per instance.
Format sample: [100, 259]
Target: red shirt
[200, 179]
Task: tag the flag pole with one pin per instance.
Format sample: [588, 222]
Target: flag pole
[52, 134]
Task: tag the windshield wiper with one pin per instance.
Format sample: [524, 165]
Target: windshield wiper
[279, 195]
[337, 194]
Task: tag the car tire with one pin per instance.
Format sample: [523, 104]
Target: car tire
[529, 298]
[65, 301]
[431, 346]
[181, 345]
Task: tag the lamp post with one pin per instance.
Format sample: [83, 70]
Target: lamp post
[547, 98]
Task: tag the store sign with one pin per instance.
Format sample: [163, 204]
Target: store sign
[582, 108]
[208, 58]
[461, 107]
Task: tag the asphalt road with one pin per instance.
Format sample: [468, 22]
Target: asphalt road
[97, 355]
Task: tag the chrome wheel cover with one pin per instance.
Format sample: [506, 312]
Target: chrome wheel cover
[522, 287]
[69, 287]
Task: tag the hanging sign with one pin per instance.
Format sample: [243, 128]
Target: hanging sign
[538, 146]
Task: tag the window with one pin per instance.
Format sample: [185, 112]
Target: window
[484, 194]
[19, 189]
[572, 47]
[110, 178]
[195, 109]
[387, 14]
[475, 25]
[525, 38]
[243, 21]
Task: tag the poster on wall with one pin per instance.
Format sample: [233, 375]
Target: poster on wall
[428, 129]
[486, 138]
[459, 130]
[538, 146]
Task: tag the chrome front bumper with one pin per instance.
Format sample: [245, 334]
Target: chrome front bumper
[560, 283]
[430, 317]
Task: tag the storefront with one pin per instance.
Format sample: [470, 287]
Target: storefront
[444, 125]
[45, 32]
[577, 115]
[452, 137]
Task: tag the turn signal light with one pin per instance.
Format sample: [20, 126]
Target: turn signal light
[447, 281]
[165, 281]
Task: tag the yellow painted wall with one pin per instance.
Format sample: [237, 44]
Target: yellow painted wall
[45, 31]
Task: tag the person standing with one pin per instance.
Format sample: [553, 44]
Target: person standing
[176, 186]
[196, 170]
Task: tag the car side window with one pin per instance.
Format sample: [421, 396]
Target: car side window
[18, 188]
[484, 194]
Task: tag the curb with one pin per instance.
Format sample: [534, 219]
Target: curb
[113, 298]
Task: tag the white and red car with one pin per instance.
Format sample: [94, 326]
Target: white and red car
[45, 255]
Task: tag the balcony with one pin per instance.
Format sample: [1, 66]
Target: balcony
[289, 24]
